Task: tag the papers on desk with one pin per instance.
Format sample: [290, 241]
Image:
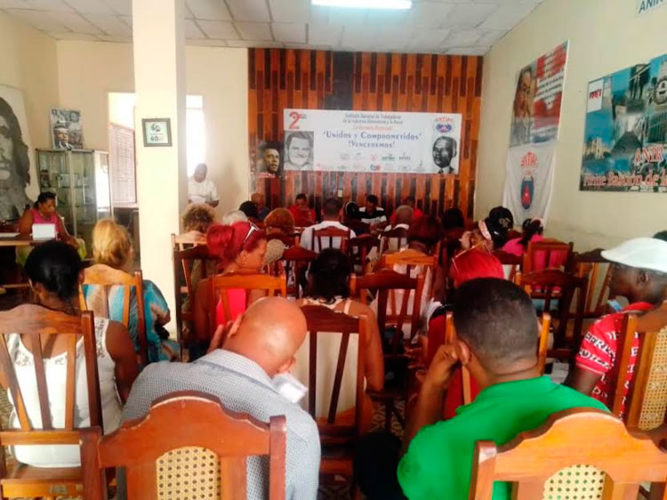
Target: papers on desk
[43, 231]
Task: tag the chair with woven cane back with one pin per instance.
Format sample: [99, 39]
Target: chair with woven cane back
[104, 278]
[40, 328]
[190, 266]
[207, 458]
[338, 434]
[577, 454]
[394, 311]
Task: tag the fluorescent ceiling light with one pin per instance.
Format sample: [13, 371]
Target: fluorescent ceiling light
[365, 4]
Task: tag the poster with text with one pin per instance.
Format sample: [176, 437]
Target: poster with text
[537, 98]
[530, 172]
[626, 130]
[371, 141]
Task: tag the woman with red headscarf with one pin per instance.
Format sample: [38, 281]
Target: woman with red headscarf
[466, 266]
[241, 248]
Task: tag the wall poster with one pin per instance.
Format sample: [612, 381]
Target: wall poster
[66, 130]
[625, 135]
[533, 135]
[371, 141]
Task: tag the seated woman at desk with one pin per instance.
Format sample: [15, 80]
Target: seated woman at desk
[44, 212]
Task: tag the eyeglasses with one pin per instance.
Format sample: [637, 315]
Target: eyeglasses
[252, 229]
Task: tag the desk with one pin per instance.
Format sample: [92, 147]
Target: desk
[21, 240]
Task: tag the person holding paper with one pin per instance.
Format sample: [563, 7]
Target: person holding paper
[44, 212]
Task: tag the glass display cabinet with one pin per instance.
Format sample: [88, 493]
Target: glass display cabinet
[80, 180]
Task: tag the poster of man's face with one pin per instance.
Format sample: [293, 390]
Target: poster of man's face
[269, 161]
[14, 158]
[299, 150]
[445, 149]
[66, 129]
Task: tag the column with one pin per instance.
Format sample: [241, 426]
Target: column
[159, 84]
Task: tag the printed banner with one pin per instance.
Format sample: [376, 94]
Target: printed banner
[530, 172]
[644, 6]
[367, 141]
[537, 99]
[626, 130]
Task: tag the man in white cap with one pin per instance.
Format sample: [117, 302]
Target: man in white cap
[639, 273]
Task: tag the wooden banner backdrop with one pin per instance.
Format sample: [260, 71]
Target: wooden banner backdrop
[286, 78]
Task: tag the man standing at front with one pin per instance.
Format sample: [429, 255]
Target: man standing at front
[201, 189]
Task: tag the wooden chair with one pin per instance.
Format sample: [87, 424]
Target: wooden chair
[389, 314]
[359, 248]
[106, 277]
[542, 344]
[552, 285]
[515, 263]
[592, 265]
[646, 402]
[288, 241]
[221, 283]
[329, 233]
[39, 327]
[542, 254]
[187, 240]
[321, 321]
[203, 457]
[293, 265]
[184, 262]
[412, 260]
[576, 454]
[398, 235]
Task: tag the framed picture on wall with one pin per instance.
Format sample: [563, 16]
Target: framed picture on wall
[157, 132]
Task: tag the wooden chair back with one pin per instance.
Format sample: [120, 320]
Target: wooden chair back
[106, 277]
[398, 235]
[184, 262]
[577, 454]
[221, 283]
[360, 247]
[598, 271]
[646, 401]
[325, 238]
[163, 460]
[413, 259]
[542, 344]
[547, 254]
[320, 321]
[38, 326]
[389, 312]
[551, 285]
[292, 265]
[186, 240]
[288, 241]
[515, 263]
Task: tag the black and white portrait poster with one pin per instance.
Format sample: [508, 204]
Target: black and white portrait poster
[18, 180]
[66, 131]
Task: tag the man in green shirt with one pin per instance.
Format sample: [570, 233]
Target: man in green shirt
[497, 341]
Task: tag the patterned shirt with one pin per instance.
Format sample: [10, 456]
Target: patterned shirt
[242, 386]
[599, 348]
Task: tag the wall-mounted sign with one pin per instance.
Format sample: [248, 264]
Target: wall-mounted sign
[157, 132]
[372, 141]
[644, 6]
[625, 138]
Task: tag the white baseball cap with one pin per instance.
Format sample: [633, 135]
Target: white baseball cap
[641, 253]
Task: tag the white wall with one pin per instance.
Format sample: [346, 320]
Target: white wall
[604, 36]
[88, 71]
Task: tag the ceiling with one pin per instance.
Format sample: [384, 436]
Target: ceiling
[431, 26]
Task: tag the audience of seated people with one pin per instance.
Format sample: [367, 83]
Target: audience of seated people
[260, 344]
[244, 358]
[639, 274]
[302, 213]
[497, 342]
[330, 219]
[240, 248]
[54, 270]
[328, 286]
[112, 252]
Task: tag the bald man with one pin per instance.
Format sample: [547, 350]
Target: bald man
[259, 345]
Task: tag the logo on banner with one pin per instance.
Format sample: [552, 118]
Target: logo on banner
[295, 116]
[444, 125]
[528, 165]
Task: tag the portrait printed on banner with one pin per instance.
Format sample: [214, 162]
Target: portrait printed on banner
[269, 160]
[66, 131]
[299, 150]
[14, 155]
[445, 151]
[522, 108]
